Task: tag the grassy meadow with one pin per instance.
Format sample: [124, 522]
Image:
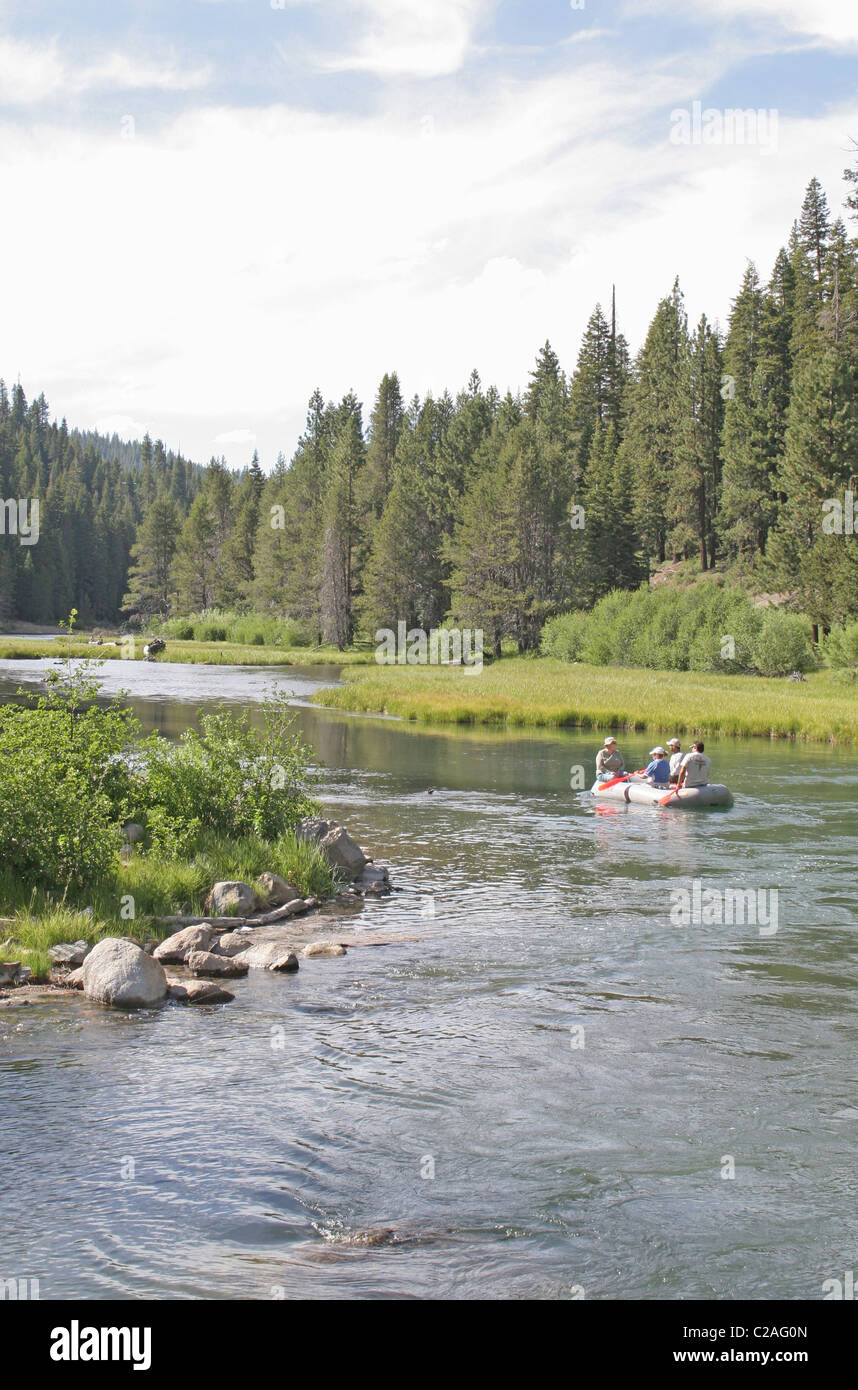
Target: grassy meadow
[543, 692]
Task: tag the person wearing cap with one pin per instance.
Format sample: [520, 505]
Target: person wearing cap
[695, 768]
[609, 761]
[675, 751]
[657, 771]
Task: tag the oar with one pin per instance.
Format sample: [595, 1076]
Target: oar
[663, 800]
[625, 777]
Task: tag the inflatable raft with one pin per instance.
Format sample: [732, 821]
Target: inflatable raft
[636, 790]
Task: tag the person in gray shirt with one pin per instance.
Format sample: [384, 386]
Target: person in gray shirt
[609, 761]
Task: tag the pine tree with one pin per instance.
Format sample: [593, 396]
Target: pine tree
[339, 526]
[150, 589]
[659, 408]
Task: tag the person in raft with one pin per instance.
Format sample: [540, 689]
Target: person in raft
[675, 750]
[695, 768]
[609, 761]
[657, 771]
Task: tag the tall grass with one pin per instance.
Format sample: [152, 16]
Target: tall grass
[243, 629]
[547, 692]
[193, 653]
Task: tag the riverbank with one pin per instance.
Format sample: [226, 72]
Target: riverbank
[543, 692]
[262, 914]
[186, 653]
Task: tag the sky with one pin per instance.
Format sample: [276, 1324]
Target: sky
[211, 207]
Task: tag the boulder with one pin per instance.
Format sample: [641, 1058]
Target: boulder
[9, 971]
[276, 891]
[74, 979]
[231, 899]
[232, 943]
[116, 971]
[288, 962]
[206, 963]
[323, 948]
[342, 852]
[70, 954]
[199, 992]
[373, 881]
[260, 956]
[313, 828]
[176, 949]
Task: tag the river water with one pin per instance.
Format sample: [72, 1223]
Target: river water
[543, 1096]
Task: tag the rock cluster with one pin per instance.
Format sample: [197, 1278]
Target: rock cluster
[119, 971]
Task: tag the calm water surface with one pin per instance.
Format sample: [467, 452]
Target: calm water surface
[574, 1070]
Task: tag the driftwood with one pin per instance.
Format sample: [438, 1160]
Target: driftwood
[279, 914]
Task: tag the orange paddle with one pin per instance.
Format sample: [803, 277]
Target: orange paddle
[625, 777]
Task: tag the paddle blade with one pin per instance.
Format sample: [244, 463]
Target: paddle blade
[603, 785]
[663, 800]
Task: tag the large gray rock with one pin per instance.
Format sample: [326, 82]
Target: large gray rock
[205, 963]
[276, 891]
[176, 949]
[342, 852]
[323, 948]
[313, 828]
[372, 881]
[231, 899]
[69, 953]
[232, 943]
[199, 992]
[116, 971]
[287, 963]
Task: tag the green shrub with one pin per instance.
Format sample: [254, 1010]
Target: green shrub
[209, 632]
[841, 646]
[562, 636]
[65, 784]
[231, 779]
[704, 627]
[783, 644]
[245, 629]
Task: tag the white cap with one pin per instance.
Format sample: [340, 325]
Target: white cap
[610, 739]
[653, 751]
[671, 741]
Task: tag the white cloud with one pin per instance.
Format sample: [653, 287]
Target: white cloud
[287, 249]
[123, 425]
[412, 38]
[835, 21]
[31, 73]
[235, 437]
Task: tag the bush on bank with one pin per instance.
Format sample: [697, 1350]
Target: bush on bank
[244, 629]
[705, 628]
[73, 771]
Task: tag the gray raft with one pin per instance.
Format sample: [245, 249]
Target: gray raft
[645, 794]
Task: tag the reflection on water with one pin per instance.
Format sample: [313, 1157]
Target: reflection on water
[539, 1093]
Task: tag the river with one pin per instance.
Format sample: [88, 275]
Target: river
[555, 1091]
